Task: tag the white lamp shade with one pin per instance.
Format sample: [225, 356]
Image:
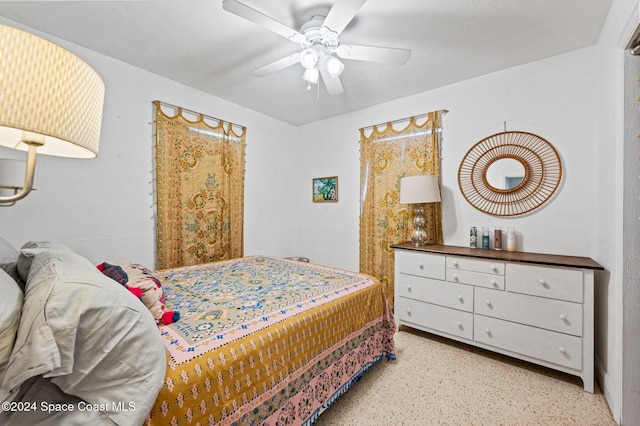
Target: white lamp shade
[334, 66]
[12, 173]
[311, 75]
[308, 57]
[419, 189]
[46, 90]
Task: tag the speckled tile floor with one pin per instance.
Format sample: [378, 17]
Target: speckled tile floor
[436, 381]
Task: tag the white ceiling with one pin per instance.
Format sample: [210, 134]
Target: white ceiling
[199, 44]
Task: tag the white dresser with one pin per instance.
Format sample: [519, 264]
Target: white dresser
[536, 307]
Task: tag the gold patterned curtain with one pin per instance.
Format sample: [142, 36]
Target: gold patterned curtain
[199, 188]
[386, 156]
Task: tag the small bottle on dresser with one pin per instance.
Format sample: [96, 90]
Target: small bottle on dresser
[511, 239]
[497, 238]
[485, 238]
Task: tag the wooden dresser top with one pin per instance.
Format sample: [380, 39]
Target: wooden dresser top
[510, 256]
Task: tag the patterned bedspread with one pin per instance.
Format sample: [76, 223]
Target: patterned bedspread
[267, 341]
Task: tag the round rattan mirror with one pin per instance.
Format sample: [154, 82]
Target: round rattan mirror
[510, 173]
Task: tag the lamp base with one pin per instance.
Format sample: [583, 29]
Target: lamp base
[419, 238]
[418, 235]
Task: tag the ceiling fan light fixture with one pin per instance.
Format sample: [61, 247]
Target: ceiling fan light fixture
[334, 66]
[308, 58]
[312, 75]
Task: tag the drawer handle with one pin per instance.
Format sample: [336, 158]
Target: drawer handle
[494, 268]
[488, 302]
[455, 277]
[460, 325]
[460, 298]
[421, 265]
[487, 332]
[494, 283]
[408, 287]
[543, 283]
[408, 311]
[563, 317]
[562, 350]
[455, 264]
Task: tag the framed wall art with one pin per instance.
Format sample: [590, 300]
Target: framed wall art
[325, 189]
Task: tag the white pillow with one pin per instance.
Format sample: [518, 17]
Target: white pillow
[10, 308]
[24, 262]
[9, 261]
[88, 334]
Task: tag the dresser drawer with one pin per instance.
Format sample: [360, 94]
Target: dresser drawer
[437, 318]
[554, 283]
[457, 296]
[420, 264]
[476, 278]
[475, 265]
[545, 345]
[555, 315]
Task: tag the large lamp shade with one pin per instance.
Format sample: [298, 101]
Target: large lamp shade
[419, 189]
[46, 90]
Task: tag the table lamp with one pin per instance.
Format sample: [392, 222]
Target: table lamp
[418, 190]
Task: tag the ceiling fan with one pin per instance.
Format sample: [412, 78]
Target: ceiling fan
[319, 39]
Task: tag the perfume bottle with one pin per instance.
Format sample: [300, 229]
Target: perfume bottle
[473, 237]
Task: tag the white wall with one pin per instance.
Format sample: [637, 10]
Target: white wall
[102, 207]
[554, 98]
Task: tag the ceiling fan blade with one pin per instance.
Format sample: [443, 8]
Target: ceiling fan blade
[250, 14]
[278, 65]
[389, 55]
[341, 13]
[333, 84]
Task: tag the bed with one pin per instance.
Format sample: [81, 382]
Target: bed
[261, 340]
